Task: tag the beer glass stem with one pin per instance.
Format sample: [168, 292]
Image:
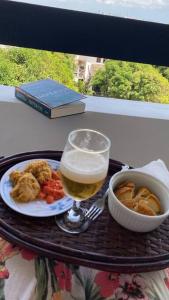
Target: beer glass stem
[75, 216]
[76, 205]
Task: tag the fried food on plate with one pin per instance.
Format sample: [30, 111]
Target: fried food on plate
[26, 189]
[40, 169]
[15, 176]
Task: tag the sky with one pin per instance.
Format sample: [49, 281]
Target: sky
[147, 10]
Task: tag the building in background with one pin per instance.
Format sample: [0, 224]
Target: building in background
[86, 67]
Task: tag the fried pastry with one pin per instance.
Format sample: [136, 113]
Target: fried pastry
[128, 203]
[126, 184]
[26, 189]
[142, 192]
[143, 208]
[154, 203]
[124, 193]
[40, 169]
[141, 200]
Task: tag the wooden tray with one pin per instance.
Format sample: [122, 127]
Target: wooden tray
[105, 246]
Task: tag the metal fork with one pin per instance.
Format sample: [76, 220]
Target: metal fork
[97, 208]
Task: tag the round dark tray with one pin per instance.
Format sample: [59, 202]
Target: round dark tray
[105, 245]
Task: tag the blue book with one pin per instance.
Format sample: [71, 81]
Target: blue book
[51, 98]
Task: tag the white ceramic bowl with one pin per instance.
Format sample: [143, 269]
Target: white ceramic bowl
[131, 219]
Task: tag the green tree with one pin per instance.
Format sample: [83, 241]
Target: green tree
[21, 65]
[133, 81]
[84, 87]
[164, 71]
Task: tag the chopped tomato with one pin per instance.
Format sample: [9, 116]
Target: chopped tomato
[42, 195]
[50, 199]
[47, 189]
[52, 189]
[55, 175]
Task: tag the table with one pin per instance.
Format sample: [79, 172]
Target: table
[105, 245]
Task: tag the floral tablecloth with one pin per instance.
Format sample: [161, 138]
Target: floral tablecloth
[26, 276]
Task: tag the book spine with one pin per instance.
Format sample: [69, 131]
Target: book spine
[33, 103]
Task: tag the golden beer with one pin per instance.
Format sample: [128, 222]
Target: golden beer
[80, 191]
[83, 179]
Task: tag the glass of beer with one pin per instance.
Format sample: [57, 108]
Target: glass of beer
[83, 169]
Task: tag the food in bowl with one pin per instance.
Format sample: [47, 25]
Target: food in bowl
[140, 199]
[130, 218]
[36, 181]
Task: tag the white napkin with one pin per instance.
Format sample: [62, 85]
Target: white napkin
[158, 169]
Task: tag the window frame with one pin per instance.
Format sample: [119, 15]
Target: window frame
[68, 31]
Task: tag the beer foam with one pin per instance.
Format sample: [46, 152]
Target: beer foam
[84, 167]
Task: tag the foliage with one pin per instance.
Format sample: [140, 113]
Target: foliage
[20, 65]
[164, 71]
[84, 87]
[133, 81]
[117, 79]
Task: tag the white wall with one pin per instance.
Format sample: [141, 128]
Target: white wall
[135, 139]
[87, 58]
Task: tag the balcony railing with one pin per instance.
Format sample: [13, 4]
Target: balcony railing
[35, 26]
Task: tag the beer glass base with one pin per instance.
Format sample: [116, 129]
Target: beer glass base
[72, 221]
[61, 224]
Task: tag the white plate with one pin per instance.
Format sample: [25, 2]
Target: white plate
[37, 208]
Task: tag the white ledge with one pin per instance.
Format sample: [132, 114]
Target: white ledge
[108, 105]
[128, 107]
[139, 131]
